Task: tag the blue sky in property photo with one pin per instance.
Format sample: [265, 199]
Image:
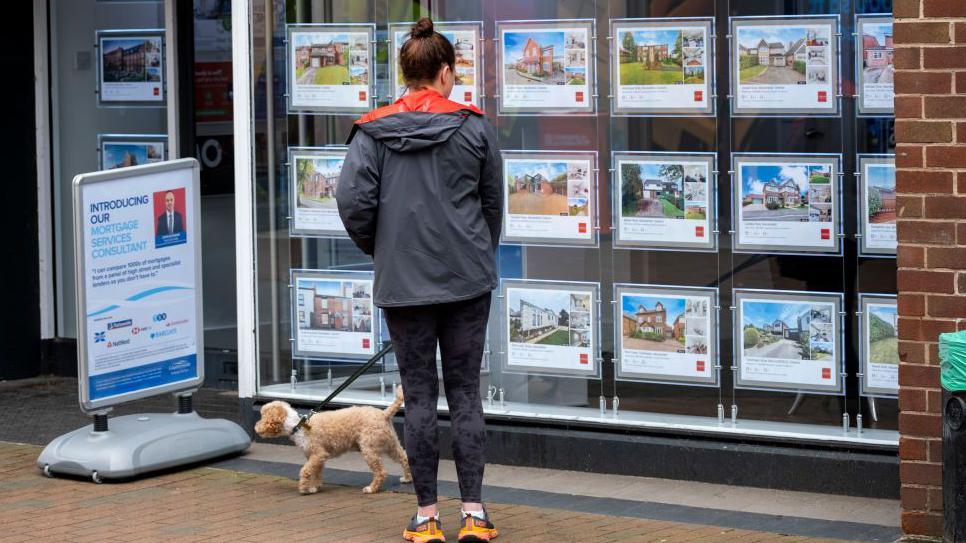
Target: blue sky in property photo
[655, 37]
[325, 165]
[114, 153]
[879, 30]
[673, 306]
[314, 38]
[323, 287]
[750, 36]
[759, 313]
[517, 168]
[402, 36]
[110, 44]
[554, 300]
[653, 171]
[882, 176]
[754, 176]
[884, 312]
[514, 40]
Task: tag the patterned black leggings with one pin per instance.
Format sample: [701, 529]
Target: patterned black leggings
[460, 328]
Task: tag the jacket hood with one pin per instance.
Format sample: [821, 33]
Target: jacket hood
[414, 122]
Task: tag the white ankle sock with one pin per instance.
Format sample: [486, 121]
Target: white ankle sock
[421, 519]
[478, 514]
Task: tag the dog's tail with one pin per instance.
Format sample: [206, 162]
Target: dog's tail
[390, 411]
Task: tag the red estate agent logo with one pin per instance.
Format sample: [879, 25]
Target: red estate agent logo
[698, 96]
[362, 96]
[700, 365]
[468, 96]
[157, 91]
[365, 343]
[582, 228]
[579, 96]
[826, 373]
[584, 359]
[826, 233]
[822, 96]
[699, 231]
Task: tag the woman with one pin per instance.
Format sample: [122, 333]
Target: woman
[421, 192]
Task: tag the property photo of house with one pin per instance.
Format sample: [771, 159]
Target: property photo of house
[652, 190]
[652, 323]
[325, 304]
[780, 192]
[125, 60]
[122, 155]
[880, 182]
[541, 187]
[774, 55]
[877, 53]
[326, 58]
[316, 180]
[539, 316]
[787, 330]
[533, 57]
[661, 56]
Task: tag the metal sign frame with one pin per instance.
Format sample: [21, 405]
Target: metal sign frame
[80, 284]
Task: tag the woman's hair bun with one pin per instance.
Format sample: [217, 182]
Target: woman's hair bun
[422, 29]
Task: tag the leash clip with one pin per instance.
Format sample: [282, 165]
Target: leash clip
[303, 421]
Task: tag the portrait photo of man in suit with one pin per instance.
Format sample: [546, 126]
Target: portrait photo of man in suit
[170, 222]
[170, 212]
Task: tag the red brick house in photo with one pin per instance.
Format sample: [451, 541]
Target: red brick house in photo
[652, 54]
[875, 54]
[538, 184]
[535, 58]
[785, 193]
[320, 185]
[130, 59]
[332, 313]
[320, 55]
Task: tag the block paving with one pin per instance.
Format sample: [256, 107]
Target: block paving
[208, 504]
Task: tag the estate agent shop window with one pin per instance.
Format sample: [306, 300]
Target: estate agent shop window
[700, 208]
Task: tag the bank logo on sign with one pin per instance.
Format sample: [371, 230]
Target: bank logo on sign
[100, 337]
[119, 324]
[160, 317]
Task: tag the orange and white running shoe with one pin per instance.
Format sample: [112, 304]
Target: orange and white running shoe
[428, 531]
[476, 530]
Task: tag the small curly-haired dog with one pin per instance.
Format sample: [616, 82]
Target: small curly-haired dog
[331, 433]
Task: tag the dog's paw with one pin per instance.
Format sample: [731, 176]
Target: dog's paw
[406, 479]
[308, 490]
[370, 489]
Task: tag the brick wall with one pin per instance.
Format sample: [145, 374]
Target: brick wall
[930, 46]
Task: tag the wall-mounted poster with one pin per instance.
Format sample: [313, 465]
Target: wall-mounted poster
[785, 65]
[786, 203]
[551, 328]
[662, 66]
[879, 348]
[546, 67]
[123, 150]
[465, 37]
[549, 197]
[313, 177]
[788, 340]
[877, 204]
[330, 68]
[332, 314]
[667, 334]
[665, 200]
[130, 68]
[874, 67]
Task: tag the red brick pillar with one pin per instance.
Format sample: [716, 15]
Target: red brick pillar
[930, 46]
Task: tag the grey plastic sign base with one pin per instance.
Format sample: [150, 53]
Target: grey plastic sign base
[138, 444]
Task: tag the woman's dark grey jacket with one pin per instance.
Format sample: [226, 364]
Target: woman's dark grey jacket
[421, 192]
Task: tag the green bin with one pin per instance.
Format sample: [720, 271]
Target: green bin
[952, 360]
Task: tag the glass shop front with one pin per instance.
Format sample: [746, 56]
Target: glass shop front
[699, 231]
